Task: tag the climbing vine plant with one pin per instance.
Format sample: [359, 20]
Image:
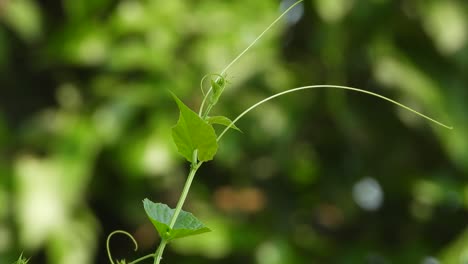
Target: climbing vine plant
[197, 142]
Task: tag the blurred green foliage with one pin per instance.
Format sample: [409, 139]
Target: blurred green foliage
[318, 177]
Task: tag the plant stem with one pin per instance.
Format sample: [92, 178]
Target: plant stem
[208, 110]
[142, 258]
[193, 170]
[183, 196]
[159, 251]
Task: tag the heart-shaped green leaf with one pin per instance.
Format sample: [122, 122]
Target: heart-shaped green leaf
[222, 120]
[192, 133]
[185, 225]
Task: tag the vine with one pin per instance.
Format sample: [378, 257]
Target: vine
[197, 142]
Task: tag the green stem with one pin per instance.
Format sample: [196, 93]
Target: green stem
[180, 203]
[183, 196]
[159, 251]
[208, 110]
[142, 258]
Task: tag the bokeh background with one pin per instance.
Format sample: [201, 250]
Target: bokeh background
[321, 176]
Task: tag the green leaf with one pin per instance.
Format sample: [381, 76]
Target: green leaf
[222, 120]
[193, 133]
[218, 88]
[186, 224]
[21, 260]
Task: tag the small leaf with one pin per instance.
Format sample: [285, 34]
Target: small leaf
[222, 120]
[218, 88]
[192, 133]
[21, 260]
[185, 225]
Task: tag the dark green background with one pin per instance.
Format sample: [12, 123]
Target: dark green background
[85, 121]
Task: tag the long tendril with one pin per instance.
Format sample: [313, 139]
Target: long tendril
[246, 49]
[333, 87]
